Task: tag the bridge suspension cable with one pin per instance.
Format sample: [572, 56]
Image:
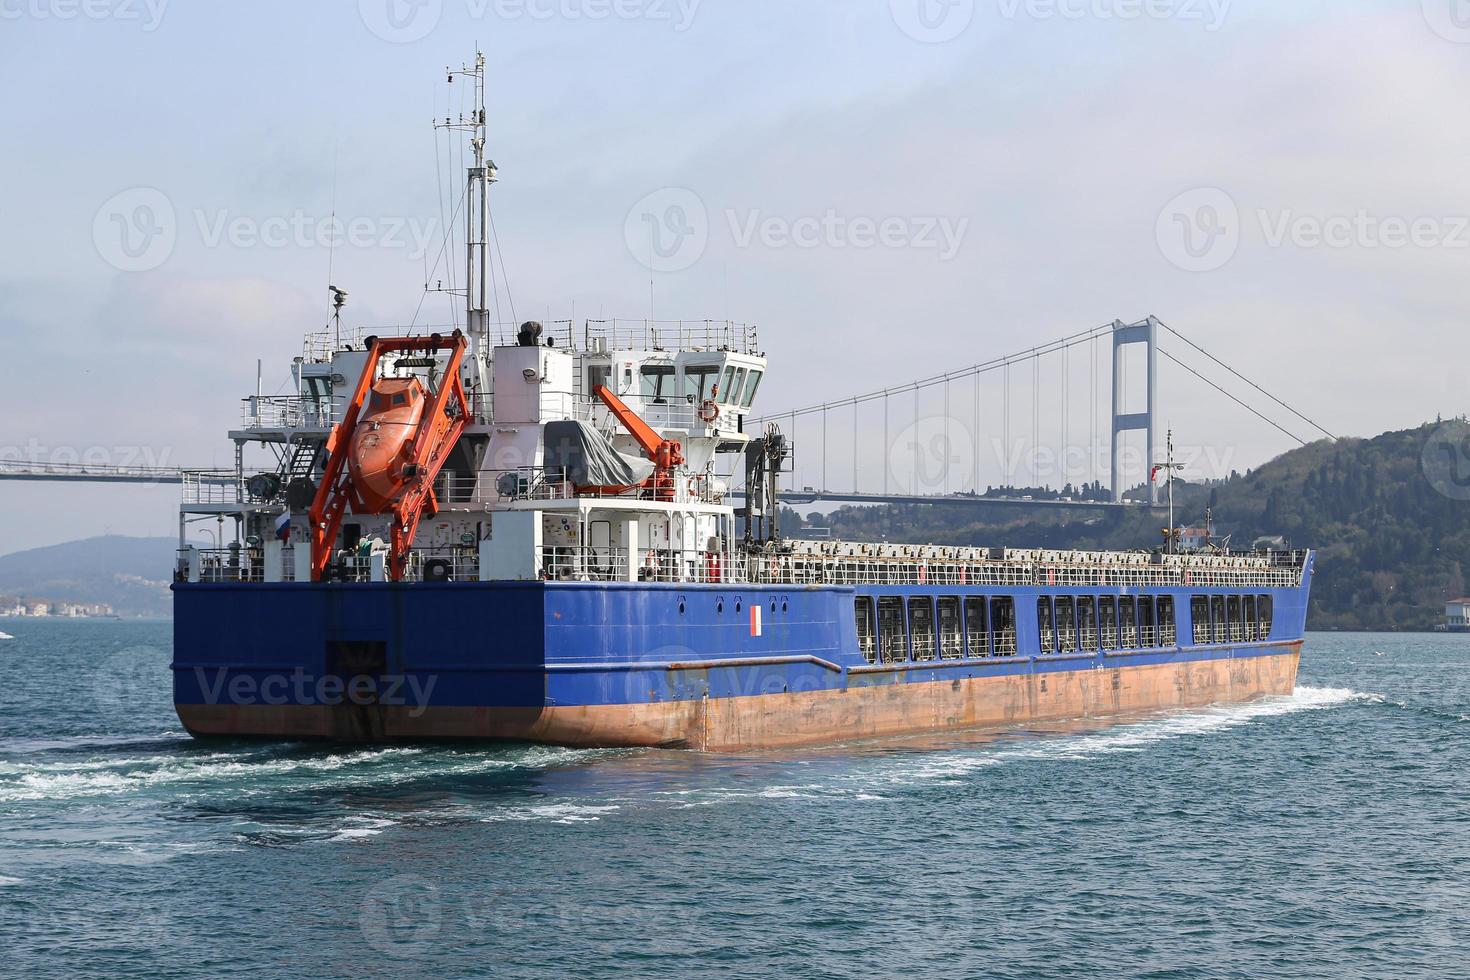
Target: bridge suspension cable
[1249, 382]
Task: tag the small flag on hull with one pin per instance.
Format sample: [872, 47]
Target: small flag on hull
[755, 619]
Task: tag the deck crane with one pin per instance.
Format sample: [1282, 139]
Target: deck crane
[667, 454]
[391, 444]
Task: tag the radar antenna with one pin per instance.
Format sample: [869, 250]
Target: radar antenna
[480, 176]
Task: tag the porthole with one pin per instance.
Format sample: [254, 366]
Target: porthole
[720, 606]
[737, 606]
[681, 607]
[783, 607]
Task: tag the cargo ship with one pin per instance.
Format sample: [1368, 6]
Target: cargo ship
[569, 533]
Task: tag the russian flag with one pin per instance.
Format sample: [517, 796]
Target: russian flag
[283, 527]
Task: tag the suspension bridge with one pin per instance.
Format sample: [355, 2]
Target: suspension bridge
[1055, 425]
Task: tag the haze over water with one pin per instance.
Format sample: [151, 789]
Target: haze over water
[1323, 834]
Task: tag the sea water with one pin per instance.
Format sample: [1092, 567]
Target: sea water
[1322, 834]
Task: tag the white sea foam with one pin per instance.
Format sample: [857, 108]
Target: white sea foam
[566, 813]
[6, 881]
[360, 828]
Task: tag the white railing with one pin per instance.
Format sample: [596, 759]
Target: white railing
[286, 412]
[584, 335]
[671, 335]
[211, 487]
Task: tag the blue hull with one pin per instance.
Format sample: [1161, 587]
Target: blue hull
[607, 664]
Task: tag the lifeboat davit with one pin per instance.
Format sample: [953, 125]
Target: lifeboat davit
[380, 454]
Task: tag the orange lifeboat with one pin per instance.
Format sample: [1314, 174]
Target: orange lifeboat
[380, 455]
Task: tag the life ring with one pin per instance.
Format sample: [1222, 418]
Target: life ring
[708, 411]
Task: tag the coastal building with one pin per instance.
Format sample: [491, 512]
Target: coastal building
[1457, 615]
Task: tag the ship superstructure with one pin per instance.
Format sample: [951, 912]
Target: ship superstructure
[569, 532]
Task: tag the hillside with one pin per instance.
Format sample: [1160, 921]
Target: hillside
[1389, 516]
[129, 574]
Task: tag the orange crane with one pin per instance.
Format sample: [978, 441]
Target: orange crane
[385, 454]
[667, 454]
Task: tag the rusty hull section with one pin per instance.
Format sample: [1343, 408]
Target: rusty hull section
[875, 702]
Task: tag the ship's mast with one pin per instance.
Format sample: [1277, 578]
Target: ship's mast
[479, 177]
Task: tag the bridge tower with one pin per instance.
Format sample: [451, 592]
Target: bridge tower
[1143, 332]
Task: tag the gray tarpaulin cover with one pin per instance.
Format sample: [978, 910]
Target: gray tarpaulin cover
[589, 459]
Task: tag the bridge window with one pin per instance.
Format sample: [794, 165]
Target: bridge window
[1107, 617]
[1003, 625]
[750, 387]
[976, 633]
[1128, 620]
[1168, 634]
[1232, 614]
[921, 626]
[1248, 611]
[892, 634]
[1217, 618]
[1066, 624]
[1044, 623]
[598, 376]
[1263, 611]
[699, 379]
[735, 392]
[657, 381]
[951, 640]
[1148, 635]
[1087, 622]
[867, 633]
[1199, 618]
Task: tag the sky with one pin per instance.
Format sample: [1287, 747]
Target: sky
[890, 189]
